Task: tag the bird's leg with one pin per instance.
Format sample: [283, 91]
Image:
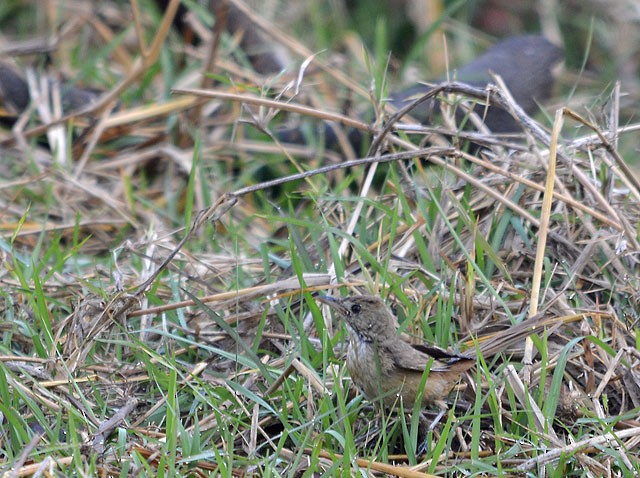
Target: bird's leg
[427, 427]
[443, 409]
[437, 420]
[368, 428]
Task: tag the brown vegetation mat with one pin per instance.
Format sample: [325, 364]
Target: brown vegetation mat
[155, 287]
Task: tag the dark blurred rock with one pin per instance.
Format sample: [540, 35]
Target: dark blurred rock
[525, 63]
[15, 96]
[266, 56]
[14, 92]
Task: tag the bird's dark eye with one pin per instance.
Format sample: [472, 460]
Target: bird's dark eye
[355, 308]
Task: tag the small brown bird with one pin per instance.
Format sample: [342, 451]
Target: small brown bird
[386, 367]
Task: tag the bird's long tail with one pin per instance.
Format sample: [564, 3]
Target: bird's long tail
[500, 341]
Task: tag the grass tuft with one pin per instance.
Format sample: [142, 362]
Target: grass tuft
[158, 272]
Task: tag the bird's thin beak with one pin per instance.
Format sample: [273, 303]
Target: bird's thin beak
[333, 302]
[328, 300]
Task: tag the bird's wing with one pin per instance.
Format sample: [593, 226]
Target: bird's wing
[436, 352]
[408, 357]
